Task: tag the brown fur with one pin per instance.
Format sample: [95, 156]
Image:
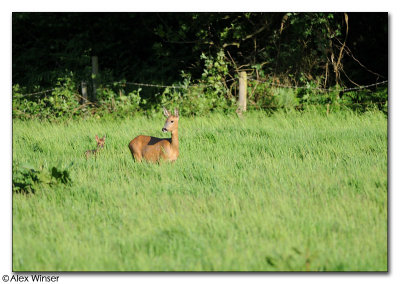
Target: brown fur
[155, 149]
[100, 145]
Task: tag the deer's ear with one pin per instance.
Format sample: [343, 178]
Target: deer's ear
[176, 113]
[97, 138]
[104, 137]
[166, 112]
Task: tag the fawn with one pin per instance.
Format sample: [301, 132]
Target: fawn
[155, 149]
[100, 145]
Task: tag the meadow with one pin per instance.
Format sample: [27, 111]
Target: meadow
[290, 191]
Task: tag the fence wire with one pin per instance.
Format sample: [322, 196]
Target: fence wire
[170, 86]
[37, 93]
[299, 106]
[317, 88]
[358, 88]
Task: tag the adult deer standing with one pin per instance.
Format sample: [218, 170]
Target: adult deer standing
[155, 149]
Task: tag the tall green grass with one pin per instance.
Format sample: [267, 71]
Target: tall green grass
[286, 192]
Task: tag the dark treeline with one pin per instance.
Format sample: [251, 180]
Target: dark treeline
[313, 50]
[154, 47]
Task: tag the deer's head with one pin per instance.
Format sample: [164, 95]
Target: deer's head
[100, 141]
[172, 120]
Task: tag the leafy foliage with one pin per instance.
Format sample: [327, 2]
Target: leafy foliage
[201, 55]
[215, 91]
[209, 94]
[62, 101]
[284, 45]
[28, 179]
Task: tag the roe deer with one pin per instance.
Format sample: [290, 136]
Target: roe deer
[154, 149]
[100, 145]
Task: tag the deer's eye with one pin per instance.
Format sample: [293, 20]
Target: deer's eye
[172, 121]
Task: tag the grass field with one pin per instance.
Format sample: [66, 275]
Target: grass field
[286, 192]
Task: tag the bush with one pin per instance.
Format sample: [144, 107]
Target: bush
[60, 102]
[211, 93]
[121, 103]
[28, 179]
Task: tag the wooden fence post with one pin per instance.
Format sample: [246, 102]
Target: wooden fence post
[84, 92]
[243, 91]
[95, 75]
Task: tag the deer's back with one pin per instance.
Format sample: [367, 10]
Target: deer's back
[151, 148]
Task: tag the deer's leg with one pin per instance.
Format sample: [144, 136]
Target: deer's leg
[87, 154]
[137, 157]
